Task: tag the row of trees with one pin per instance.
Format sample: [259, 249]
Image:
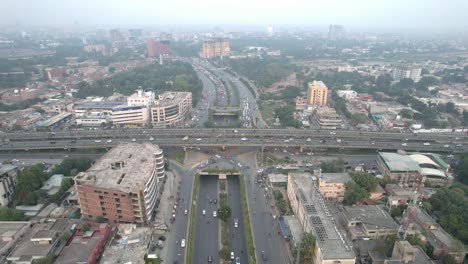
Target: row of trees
[286, 116]
[172, 76]
[264, 71]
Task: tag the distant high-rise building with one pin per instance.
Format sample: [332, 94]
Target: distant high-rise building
[317, 94]
[270, 31]
[215, 48]
[156, 48]
[116, 35]
[401, 71]
[336, 32]
[135, 33]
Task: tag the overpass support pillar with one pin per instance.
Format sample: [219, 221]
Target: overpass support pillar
[223, 148]
[262, 149]
[300, 149]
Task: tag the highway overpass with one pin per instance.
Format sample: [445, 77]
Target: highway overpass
[312, 142]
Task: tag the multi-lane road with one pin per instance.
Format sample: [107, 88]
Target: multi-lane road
[237, 234]
[440, 143]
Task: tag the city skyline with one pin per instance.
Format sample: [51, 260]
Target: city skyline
[363, 15]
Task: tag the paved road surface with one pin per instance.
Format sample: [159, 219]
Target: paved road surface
[237, 235]
[206, 228]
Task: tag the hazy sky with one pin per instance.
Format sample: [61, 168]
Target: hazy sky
[437, 15]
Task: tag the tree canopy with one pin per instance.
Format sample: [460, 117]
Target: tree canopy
[332, 166]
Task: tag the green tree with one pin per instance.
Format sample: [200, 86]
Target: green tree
[224, 212]
[359, 118]
[332, 166]
[449, 107]
[461, 169]
[307, 247]
[365, 180]
[9, 214]
[406, 113]
[225, 254]
[85, 228]
[354, 193]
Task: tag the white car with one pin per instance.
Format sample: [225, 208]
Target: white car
[151, 138]
[236, 223]
[97, 141]
[203, 212]
[232, 255]
[198, 139]
[182, 243]
[308, 140]
[426, 144]
[244, 139]
[404, 144]
[109, 141]
[215, 214]
[446, 146]
[134, 139]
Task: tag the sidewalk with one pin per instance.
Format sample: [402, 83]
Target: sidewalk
[164, 214]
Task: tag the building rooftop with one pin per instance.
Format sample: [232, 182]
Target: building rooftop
[9, 231]
[170, 98]
[131, 245]
[438, 231]
[341, 177]
[52, 185]
[399, 162]
[318, 84]
[332, 241]
[370, 216]
[4, 168]
[123, 167]
[97, 105]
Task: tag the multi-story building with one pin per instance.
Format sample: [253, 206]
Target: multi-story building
[429, 230]
[171, 109]
[317, 93]
[123, 185]
[215, 48]
[347, 94]
[309, 207]
[336, 32]
[368, 222]
[156, 48]
[327, 118]
[401, 71]
[8, 182]
[93, 113]
[332, 185]
[412, 169]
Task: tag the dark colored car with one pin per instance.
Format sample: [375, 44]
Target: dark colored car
[215, 201]
[264, 256]
[210, 259]
[162, 238]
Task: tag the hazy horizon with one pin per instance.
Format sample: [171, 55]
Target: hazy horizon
[429, 16]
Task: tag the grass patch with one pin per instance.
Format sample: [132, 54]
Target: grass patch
[246, 219]
[178, 156]
[192, 221]
[267, 109]
[236, 92]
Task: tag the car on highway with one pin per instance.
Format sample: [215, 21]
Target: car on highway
[404, 144]
[109, 141]
[215, 214]
[97, 141]
[244, 139]
[264, 256]
[426, 144]
[182, 243]
[446, 146]
[134, 139]
[210, 259]
[236, 223]
[185, 138]
[286, 140]
[237, 260]
[215, 201]
[198, 139]
[185, 212]
[232, 255]
[151, 138]
[203, 212]
[309, 139]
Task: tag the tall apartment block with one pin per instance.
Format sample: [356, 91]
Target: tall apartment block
[156, 48]
[317, 93]
[401, 71]
[122, 186]
[215, 48]
[336, 32]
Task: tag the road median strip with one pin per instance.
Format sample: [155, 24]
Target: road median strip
[246, 218]
[192, 221]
